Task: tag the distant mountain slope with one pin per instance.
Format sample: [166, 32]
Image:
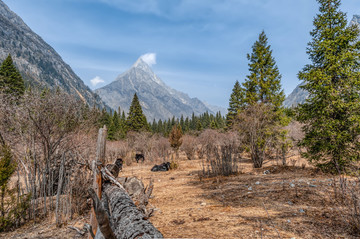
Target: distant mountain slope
[158, 100]
[38, 62]
[215, 109]
[298, 96]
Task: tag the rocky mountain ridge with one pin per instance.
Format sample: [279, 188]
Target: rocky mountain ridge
[158, 100]
[39, 64]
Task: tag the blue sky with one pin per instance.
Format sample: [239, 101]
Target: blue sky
[195, 46]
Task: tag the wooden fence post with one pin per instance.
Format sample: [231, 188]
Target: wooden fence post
[99, 160]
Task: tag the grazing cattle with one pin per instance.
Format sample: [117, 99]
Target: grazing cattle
[161, 167]
[139, 157]
[116, 167]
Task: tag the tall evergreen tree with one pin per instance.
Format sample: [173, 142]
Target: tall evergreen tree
[263, 84]
[136, 120]
[10, 78]
[235, 104]
[261, 109]
[331, 114]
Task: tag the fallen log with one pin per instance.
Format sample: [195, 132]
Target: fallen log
[118, 216]
[114, 214]
[126, 219]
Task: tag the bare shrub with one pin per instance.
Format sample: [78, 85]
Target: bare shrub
[259, 126]
[189, 146]
[138, 142]
[222, 153]
[154, 147]
[287, 143]
[42, 129]
[209, 140]
[163, 149]
[347, 201]
[118, 149]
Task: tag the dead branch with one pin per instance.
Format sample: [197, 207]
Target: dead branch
[101, 216]
[81, 232]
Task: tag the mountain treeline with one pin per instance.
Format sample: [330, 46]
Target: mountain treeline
[119, 124]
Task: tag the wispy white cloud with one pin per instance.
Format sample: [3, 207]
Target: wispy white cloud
[137, 6]
[190, 9]
[97, 80]
[149, 58]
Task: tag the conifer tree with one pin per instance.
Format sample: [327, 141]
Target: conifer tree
[332, 111]
[213, 125]
[114, 128]
[136, 120]
[182, 123]
[263, 84]
[105, 118]
[10, 78]
[235, 104]
[261, 108]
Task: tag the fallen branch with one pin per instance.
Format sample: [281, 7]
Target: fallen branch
[88, 227]
[108, 176]
[101, 216]
[81, 232]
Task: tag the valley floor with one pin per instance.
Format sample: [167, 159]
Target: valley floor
[287, 202]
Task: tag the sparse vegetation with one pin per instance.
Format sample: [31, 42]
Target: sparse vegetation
[238, 176]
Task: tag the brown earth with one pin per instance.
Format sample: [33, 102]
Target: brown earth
[288, 202]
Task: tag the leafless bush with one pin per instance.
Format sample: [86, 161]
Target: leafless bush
[118, 149]
[209, 141]
[49, 135]
[138, 142]
[224, 163]
[161, 148]
[189, 145]
[259, 126]
[222, 152]
[295, 132]
[287, 143]
[347, 200]
[158, 149]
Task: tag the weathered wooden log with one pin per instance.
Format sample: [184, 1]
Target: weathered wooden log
[127, 221]
[97, 179]
[114, 212]
[102, 216]
[138, 193]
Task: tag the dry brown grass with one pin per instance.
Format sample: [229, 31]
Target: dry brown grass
[292, 201]
[288, 202]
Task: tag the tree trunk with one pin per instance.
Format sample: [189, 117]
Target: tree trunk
[100, 158]
[61, 177]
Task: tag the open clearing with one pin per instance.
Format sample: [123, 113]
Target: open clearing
[284, 203]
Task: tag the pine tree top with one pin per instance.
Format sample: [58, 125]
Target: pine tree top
[136, 120]
[11, 79]
[263, 84]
